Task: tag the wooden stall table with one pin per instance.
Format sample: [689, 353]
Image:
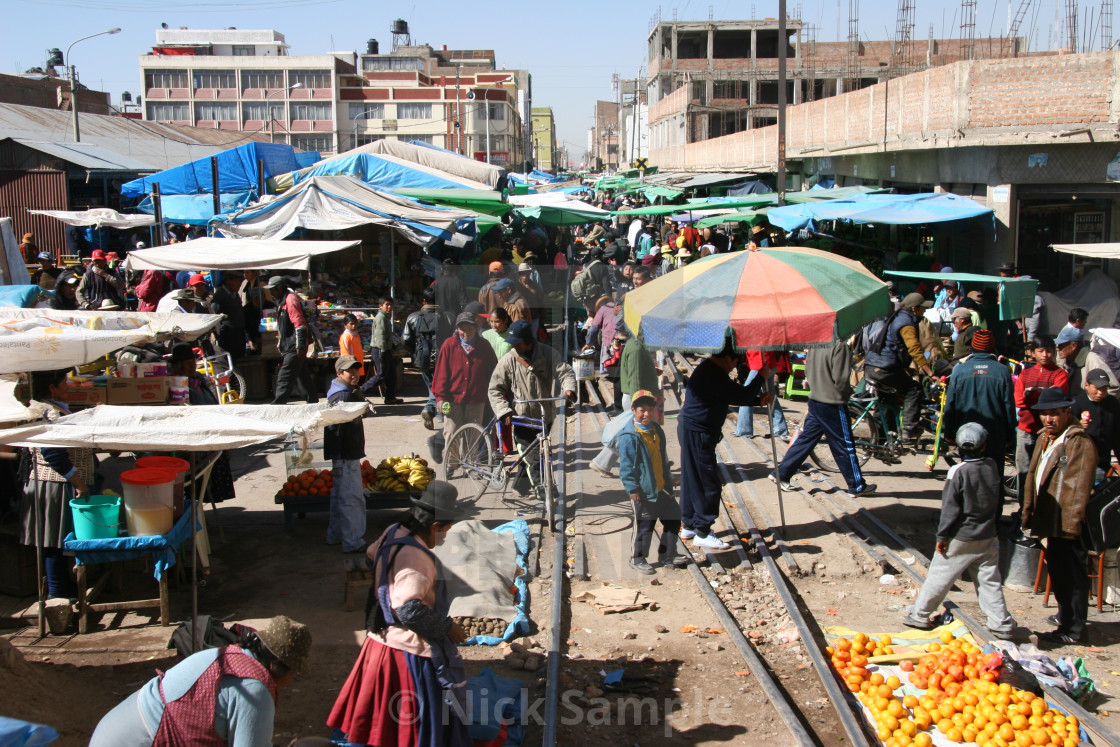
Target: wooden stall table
[161, 548]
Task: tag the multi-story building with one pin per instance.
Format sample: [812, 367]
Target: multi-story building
[454, 99]
[544, 139]
[47, 91]
[605, 137]
[245, 80]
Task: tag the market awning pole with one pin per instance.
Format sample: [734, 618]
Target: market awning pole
[214, 188]
[39, 548]
[260, 179]
[392, 267]
[157, 211]
[195, 638]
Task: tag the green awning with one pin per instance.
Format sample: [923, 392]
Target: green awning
[653, 193]
[476, 200]
[750, 217]
[558, 215]
[1016, 295]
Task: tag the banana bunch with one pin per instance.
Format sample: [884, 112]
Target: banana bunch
[400, 474]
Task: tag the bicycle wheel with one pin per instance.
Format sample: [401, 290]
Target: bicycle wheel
[1010, 482]
[867, 432]
[237, 385]
[469, 461]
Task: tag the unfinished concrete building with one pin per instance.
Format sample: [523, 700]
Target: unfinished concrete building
[713, 78]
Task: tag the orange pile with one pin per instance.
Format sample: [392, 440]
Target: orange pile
[962, 699]
[309, 482]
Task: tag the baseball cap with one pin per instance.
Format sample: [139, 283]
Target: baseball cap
[915, 299]
[503, 284]
[97, 254]
[112, 255]
[196, 279]
[972, 437]
[1068, 334]
[276, 281]
[497, 267]
[961, 313]
[466, 318]
[46, 257]
[519, 331]
[345, 363]
[643, 396]
[1098, 378]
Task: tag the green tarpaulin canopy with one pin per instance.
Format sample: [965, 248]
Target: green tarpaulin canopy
[652, 193]
[1016, 295]
[745, 201]
[477, 200]
[750, 217]
[560, 215]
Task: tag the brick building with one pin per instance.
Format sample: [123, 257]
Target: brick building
[605, 137]
[48, 91]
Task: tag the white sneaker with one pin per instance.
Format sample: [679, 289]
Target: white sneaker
[787, 486]
[710, 542]
[600, 470]
[687, 534]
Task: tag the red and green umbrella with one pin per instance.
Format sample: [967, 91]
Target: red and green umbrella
[771, 299]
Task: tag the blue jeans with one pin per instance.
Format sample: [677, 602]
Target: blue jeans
[430, 405]
[745, 426]
[347, 522]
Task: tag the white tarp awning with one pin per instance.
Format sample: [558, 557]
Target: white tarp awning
[13, 271]
[1096, 251]
[45, 339]
[100, 217]
[552, 198]
[233, 254]
[332, 203]
[178, 427]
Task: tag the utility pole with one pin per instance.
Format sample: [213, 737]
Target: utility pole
[783, 42]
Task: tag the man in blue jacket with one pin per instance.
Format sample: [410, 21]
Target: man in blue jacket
[644, 469]
[345, 445]
[981, 391]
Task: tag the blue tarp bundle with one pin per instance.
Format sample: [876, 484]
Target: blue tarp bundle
[237, 172]
[160, 547]
[16, 733]
[195, 210]
[520, 625]
[20, 296]
[380, 172]
[891, 209]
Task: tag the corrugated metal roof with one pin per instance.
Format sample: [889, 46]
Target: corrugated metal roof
[157, 146]
[705, 180]
[87, 155]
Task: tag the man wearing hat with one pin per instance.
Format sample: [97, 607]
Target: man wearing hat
[486, 294]
[424, 332]
[962, 323]
[47, 274]
[890, 354]
[1099, 415]
[512, 301]
[531, 371]
[294, 340]
[227, 300]
[532, 292]
[981, 391]
[65, 293]
[28, 248]
[1071, 355]
[465, 363]
[201, 290]
[99, 283]
[1058, 484]
[177, 301]
[1007, 270]
[345, 445]
[184, 362]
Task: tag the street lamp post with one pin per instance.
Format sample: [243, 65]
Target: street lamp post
[74, 79]
[272, 119]
[366, 114]
[486, 105]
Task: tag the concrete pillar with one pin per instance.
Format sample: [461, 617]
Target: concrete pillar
[798, 87]
[754, 49]
[711, 44]
[673, 46]
[839, 85]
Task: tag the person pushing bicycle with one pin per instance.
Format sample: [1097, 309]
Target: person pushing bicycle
[531, 371]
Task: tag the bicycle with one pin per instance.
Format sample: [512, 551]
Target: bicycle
[472, 464]
[229, 386]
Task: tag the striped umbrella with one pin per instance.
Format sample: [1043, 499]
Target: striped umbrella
[768, 299]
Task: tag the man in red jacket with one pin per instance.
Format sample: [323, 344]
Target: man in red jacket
[461, 379]
[1046, 373]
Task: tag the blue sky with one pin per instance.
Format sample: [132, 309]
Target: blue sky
[571, 48]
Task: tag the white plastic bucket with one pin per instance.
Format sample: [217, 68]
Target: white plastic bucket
[149, 500]
[584, 368]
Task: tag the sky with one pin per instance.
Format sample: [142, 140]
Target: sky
[572, 48]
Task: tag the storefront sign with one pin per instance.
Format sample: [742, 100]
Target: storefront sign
[1001, 194]
[389, 125]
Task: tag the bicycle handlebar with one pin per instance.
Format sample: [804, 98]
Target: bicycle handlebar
[542, 399]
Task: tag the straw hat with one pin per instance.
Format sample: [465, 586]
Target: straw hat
[288, 640]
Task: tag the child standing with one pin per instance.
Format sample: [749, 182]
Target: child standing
[345, 445]
[966, 537]
[381, 352]
[644, 469]
[350, 342]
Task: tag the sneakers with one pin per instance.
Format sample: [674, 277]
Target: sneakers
[1003, 635]
[710, 542]
[677, 561]
[429, 419]
[435, 445]
[785, 485]
[916, 622]
[600, 470]
[687, 534]
[1053, 620]
[641, 566]
[394, 401]
[868, 489]
[1058, 638]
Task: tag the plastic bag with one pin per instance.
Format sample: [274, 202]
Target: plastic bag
[1013, 674]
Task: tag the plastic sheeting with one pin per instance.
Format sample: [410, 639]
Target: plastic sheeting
[16, 733]
[519, 530]
[13, 271]
[21, 296]
[382, 172]
[1016, 295]
[917, 209]
[1096, 293]
[332, 203]
[457, 167]
[196, 210]
[237, 172]
[1096, 251]
[98, 217]
[180, 428]
[161, 548]
[233, 254]
[45, 339]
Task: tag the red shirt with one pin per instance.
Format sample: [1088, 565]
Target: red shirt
[1028, 388]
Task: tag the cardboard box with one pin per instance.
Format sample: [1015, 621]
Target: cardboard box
[86, 396]
[148, 391]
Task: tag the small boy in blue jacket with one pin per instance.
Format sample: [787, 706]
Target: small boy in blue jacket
[644, 469]
[345, 445]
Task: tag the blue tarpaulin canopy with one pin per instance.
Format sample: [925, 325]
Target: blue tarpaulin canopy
[915, 209]
[381, 171]
[237, 172]
[195, 210]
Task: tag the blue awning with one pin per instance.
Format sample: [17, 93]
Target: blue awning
[195, 210]
[237, 172]
[890, 209]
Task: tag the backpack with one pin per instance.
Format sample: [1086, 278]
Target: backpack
[580, 289]
[874, 335]
[427, 341]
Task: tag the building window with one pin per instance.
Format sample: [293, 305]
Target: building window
[259, 110]
[414, 111]
[262, 79]
[225, 111]
[374, 64]
[367, 111]
[310, 78]
[166, 79]
[427, 139]
[244, 50]
[357, 140]
[169, 112]
[313, 142]
[493, 112]
[215, 79]
[311, 110]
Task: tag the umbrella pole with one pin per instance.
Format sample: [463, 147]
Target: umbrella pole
[195, 637]
[39, 548]
[774, 452]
